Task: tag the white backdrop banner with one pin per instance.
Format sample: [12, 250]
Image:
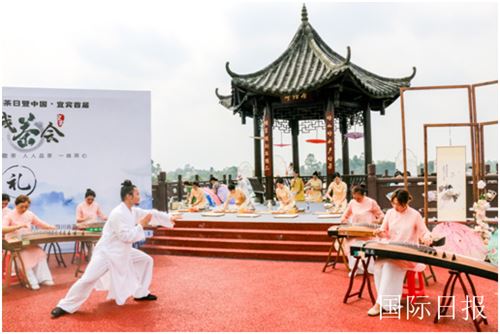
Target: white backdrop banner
[56, 143]
[451, 186]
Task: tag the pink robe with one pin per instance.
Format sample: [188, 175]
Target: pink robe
[5, 212]
[366, 211]
[89, 212]
[32, 254]
[408, 227]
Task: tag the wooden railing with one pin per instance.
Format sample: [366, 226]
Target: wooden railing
[378, 188]
[164, 192]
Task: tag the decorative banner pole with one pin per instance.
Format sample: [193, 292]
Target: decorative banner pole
[330, 143]
[268, 151]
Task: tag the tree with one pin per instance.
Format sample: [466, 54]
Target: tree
[311, 165]
[155, 170]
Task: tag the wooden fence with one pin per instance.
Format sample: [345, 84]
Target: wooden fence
[379, 186]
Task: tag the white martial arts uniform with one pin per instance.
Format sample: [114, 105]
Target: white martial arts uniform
[115, 265]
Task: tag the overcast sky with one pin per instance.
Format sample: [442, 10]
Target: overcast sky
[177, 50]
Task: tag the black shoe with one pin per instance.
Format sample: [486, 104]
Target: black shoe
[57, 312]
[148, 297]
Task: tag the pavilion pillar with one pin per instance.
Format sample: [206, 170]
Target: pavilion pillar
[257, 147]
[294, 126]
[268, 151]
[345, 146]
[367, 135]
[330, 141]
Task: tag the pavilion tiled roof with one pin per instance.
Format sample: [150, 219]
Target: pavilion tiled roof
[308, 64]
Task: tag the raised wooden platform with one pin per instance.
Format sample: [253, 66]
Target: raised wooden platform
[301, 239]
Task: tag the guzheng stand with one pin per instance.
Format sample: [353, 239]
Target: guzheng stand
[448, 292]
[432, 275]
[336, 251]
[54, 247]
[16, 259]
[83, 255]
[366, 280]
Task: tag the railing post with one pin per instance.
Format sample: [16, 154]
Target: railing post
[180, 188]
[162, 192]
[224, 179]
[197, 178]
[230, 179]
[371, 181]
[386, 173]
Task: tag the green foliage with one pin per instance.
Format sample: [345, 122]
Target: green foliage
[155, 170]
[311, 164]
[188, 173]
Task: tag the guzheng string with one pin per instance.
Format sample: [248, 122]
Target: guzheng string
[370, 225]
[416, 246]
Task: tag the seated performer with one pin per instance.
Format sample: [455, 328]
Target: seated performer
[313, 189]
[242, 202]
[115, 265]
[33, 257]
[285, 198]
[5, 205]
[338, 191]
[401, 224]
[297, 187]
[214, 185]
[5, 212]
[197, 198]
[361, 209]
[89, 211]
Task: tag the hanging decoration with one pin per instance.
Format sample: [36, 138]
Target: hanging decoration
[316, 140]
[354, 135]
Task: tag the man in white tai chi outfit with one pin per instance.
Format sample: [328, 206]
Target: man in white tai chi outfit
[115, 265]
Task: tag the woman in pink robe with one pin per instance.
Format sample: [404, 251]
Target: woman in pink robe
[89, 211]
[401, 224]
[34, 258]
[361, 209]
[5, 212]
[5, 205]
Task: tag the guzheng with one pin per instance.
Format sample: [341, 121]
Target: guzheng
[94, 227]
[48, 236]
[427, 255]
[99, 224]
[353, 230]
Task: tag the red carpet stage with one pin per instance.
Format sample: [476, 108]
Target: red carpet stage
[214, 294]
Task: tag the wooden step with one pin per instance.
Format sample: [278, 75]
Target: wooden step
[301, 246]
[244, 234]
[237, 253]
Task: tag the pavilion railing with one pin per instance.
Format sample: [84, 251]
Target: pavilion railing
[379, 187]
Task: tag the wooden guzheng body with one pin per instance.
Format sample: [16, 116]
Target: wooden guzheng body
[353, 230]
[46, 237]
[427, 255]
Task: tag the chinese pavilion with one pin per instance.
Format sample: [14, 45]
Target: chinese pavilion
[309, 86]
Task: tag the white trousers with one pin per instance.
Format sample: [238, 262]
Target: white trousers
[97, 267]
[39, 273]
[389, 278]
